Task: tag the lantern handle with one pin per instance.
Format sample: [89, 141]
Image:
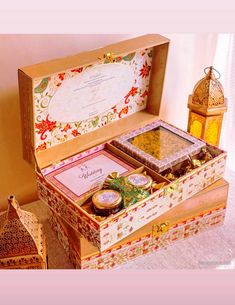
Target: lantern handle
[212, 68]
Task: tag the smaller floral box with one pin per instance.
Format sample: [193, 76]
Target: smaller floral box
[202, 212]
[159, 145]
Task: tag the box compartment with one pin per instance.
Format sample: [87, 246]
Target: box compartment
[105, 230]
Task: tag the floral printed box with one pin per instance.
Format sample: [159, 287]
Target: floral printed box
[168, 145]
[72, 106]
[203, 211]
[105, 233]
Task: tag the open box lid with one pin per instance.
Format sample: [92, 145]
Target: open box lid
[74, 103]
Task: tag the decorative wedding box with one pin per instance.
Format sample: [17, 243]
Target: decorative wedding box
[72, 109]
[203, 211]
[22, 242]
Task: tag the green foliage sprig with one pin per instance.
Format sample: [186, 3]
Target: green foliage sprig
[130, 194]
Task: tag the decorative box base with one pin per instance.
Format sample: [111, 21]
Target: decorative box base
[142, 246]
[205, 211]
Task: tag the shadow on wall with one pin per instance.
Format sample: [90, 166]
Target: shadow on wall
[16, 175]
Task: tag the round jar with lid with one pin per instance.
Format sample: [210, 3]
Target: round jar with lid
[107, 202]
[140, 180]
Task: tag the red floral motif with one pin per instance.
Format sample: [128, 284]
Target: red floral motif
[61, 76]
[66, 127]
[144, 72]
[132, 92]
[145, 93]
[123, 111]
[41, 147]
[114, 109]
[44, 126]
[78, 70]
[59, 84]
[75, 133]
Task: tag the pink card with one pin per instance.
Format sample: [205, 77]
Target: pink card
[87, 174]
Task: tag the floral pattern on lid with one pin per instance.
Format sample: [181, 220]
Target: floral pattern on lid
[49, 132]
[107, 197]
[138, 179]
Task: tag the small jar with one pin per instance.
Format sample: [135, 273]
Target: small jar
[107, 202]
[140, 180]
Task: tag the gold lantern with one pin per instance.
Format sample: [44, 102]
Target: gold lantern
[206, 108]
[22, 242]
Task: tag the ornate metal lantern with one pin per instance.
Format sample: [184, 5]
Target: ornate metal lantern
[206, 108]
[22, 243]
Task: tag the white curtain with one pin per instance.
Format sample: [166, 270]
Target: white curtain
[224, 61]
[189, 54]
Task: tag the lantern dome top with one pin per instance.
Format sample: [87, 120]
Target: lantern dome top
[208, 92]
[20, 232]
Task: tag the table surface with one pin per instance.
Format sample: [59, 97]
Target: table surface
[213, 249]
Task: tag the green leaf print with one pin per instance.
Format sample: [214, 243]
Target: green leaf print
[43, 85]
[95, 121]
[129, 57]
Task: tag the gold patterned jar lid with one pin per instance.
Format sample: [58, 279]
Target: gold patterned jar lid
[140, 180]
[107, 201]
